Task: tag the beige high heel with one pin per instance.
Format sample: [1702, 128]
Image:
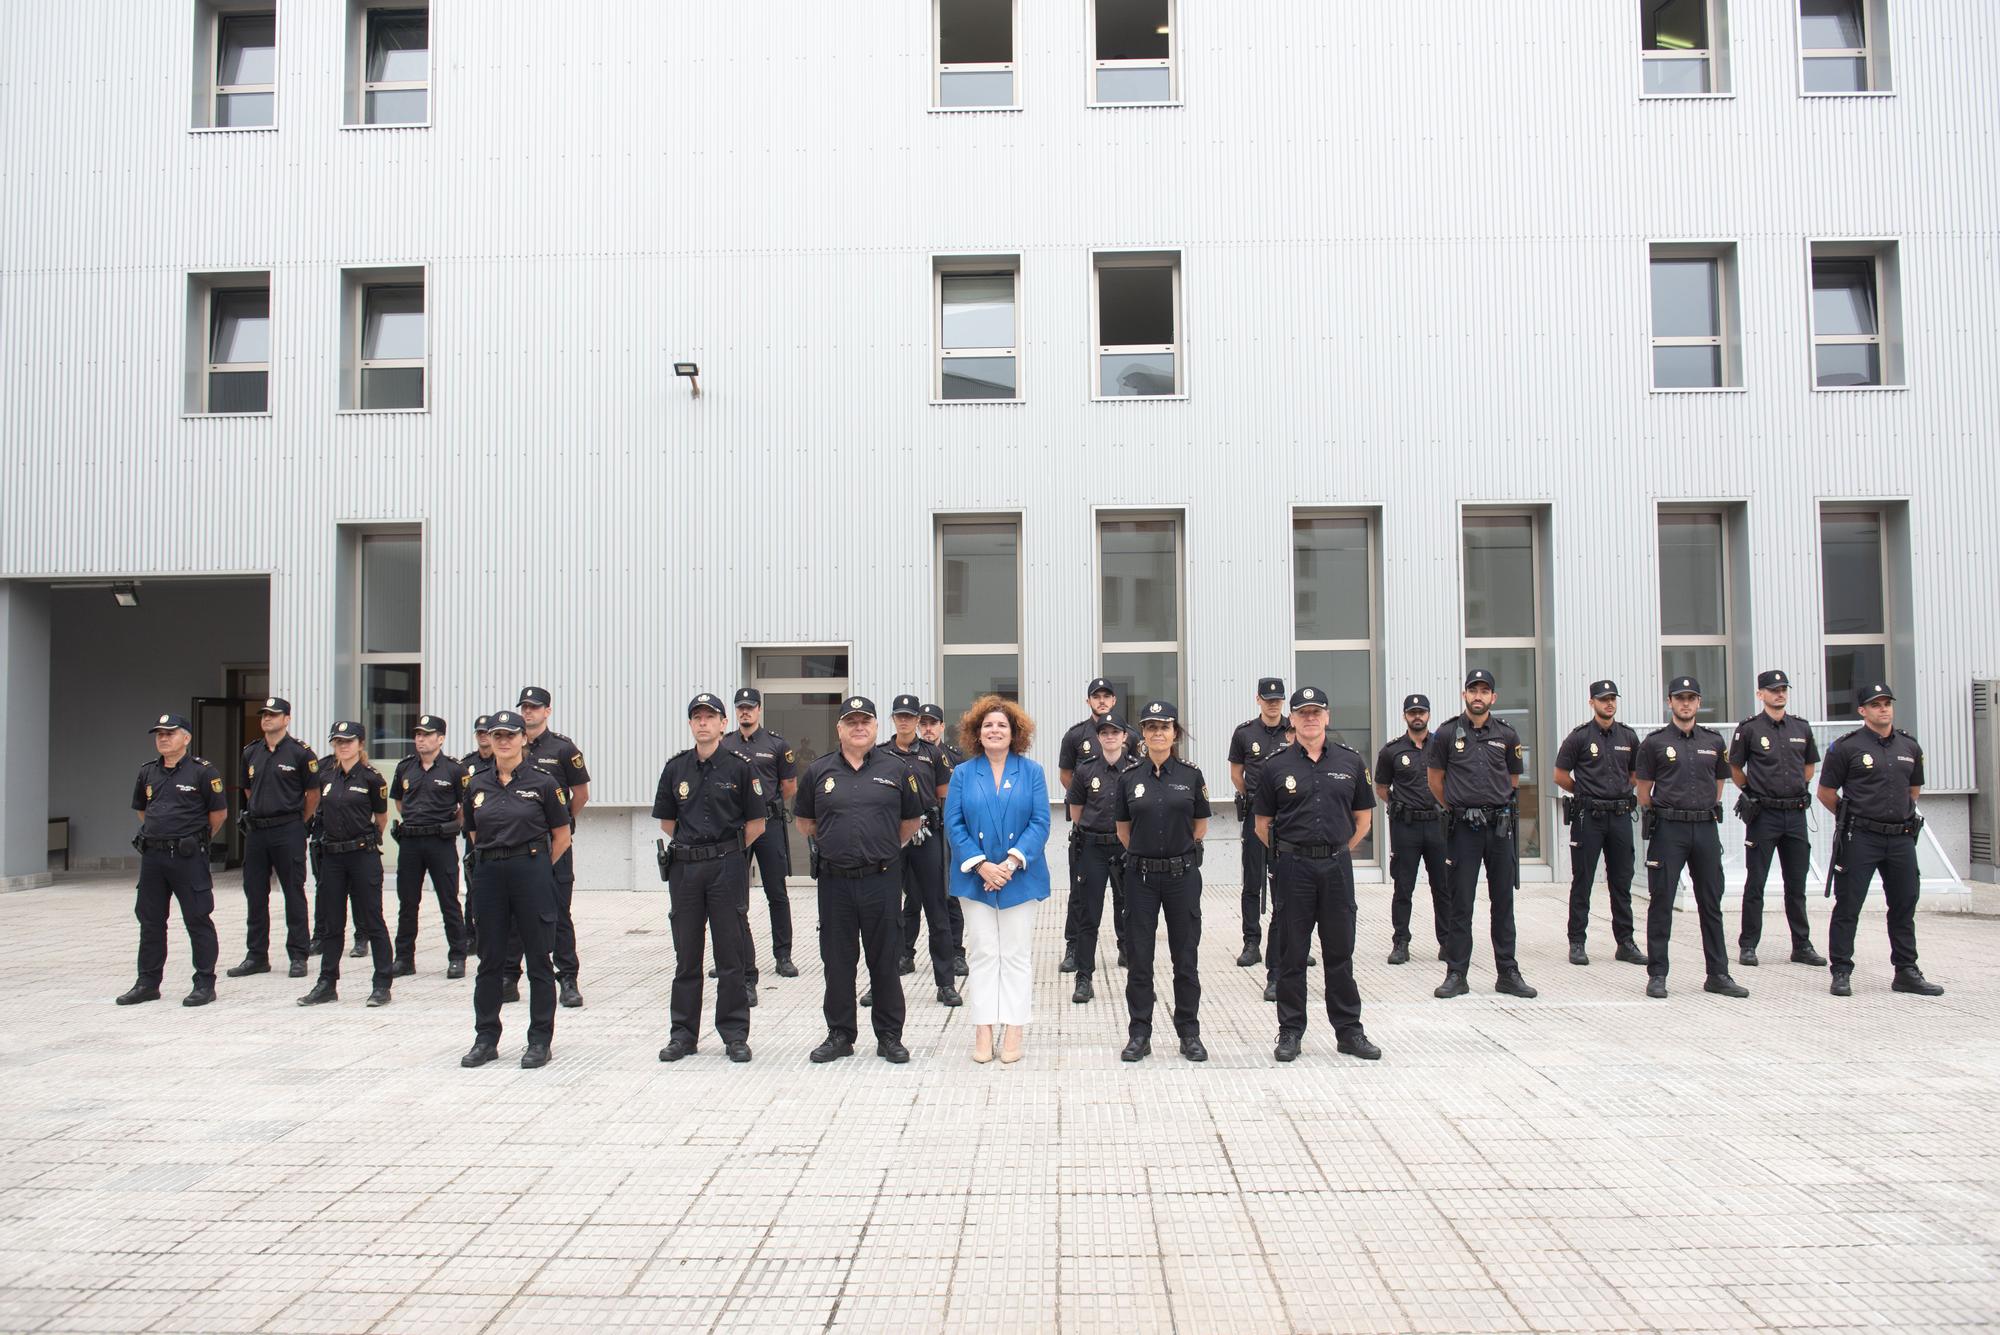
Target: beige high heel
[982, 1044]
[1010, 1047]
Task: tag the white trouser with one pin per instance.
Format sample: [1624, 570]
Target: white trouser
[999, 957]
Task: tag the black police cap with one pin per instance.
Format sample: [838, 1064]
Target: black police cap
[506, 720]
[931, 712]
[1308, 697]
[535, 695]
[1100, 684]
[1683, 686]
[1111, 723]
[430, 723]
[1479, 677]
[857, 704]
[1604, 690]
[276, 704]
[1270, 688]
[1773, 680]
[344, 730]
[1417, 701]
[1160, 711]
[749, 695]
[1879, 691]
[479, 724]
[705, 701]
[169, 723]
[906, 704]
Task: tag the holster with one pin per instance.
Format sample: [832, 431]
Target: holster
[243, 821]
[1649, 824]
[663, 855]
[1243, 808]
[1568, 810]
[812, 860]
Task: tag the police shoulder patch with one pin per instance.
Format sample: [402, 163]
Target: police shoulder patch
[757, 786]
[788, 755]
[312, 766]
[576, 761]
[913, 783]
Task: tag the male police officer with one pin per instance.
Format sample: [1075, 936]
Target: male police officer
[1771, 758]
[426, 788]
[1594, 766]
[771, 759]
[924, 883]
[1254, 742]
[1475, 763]
[1416, 829]
[280, 795]
[1095, 855]
[860, 805]
[710, 802]
[181, 805]
[1872, 780]
[1313, 808]
[1079, 744]
[558, 757]
[1681, 769]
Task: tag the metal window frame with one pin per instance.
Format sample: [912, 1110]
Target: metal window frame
[361, 284]
[216, 88]
[1866, 53]
[210, 366]
[1538, 515]
[362, 535]
[1009, 67]
[1878, 509]
[1371, 516]
[1171, 64]
[1728, 316]
[367, 86]
[942, 521]
[1724, 641]
[1715, 18]
[943, 266]
[1176, 516]
[1879, 252]
[796, 685]
[1100, 260]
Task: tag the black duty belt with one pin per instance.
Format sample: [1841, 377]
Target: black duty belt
[185, 845]
[1606, 806]
[1179, 866]
[1883, 826]
[347, 845]
[1310, 850]
[1706, 816]
[1781, 803]
[1092, 837]
[1404, 811]
[428, 832]
[272, 822]
[509, 851]
[721, 848]
[854, 872]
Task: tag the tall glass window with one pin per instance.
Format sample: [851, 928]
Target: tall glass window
[1854, 600]
[396, 90]
[1839, 47]
[239, 350]
[1138, 326]
[1694, 606]
[975, 54]
[1134, 47]
[979, 610]
[1677, 48]
[1139, 607]
[1334, 625]
[246, 70]
[978, 328]
[1503, 632]
[390, 648]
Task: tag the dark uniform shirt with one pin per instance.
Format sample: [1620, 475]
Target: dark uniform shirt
[1599, 760]
[1683, 766]
[1478, 763]
[770, 758]
[177, 800]
[1162, 804]
[429, 796]
[508, 815]
[928, 762]
[859, 811]
[1253, 743]
[557, 756]
[1080, 743]
[1875, 774]
[276, 780]
[1400, 768]
[1313, 801]
[709, 800]
[350, 801]
[1774, 756]
[1093, 791]
[951, 753]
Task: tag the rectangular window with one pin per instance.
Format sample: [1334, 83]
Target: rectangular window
[381, 648]
[979, 610]
[1138, 299]
[389, 65]
[1856, 315]
[1694, 304]
[1134, 51]
[1854, 594]
[246, 70]
[975, 55]
[1695, 609]
[239, 351]
[1502, 572]
[386, 340]
[1139, 608]
[1683, 47]
[1842, 46]
[1334, 625]
[977, 329]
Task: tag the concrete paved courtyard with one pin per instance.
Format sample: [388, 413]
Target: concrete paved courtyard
[1590, 1160]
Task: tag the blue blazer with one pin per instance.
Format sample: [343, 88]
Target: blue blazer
[982, 823]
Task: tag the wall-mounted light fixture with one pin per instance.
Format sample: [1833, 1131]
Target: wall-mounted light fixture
[693, 374]
[125, 594]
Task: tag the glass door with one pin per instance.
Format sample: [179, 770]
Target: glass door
[802, 689]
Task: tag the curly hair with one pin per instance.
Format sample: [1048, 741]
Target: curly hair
[1017, 719]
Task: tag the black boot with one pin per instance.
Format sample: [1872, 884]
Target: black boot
[1514, 985]
[1068, 964]
[251, 964]
[203, 994]
[785, 967]
[1251, 955]
[1400, 954]
[322, 992]
[1084, 992]
[1910, 978]
[1454, 985]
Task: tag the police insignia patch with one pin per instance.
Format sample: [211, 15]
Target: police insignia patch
[1672, 754]
[913, 783]
[576, 761]
[1256, 748]
[757, 787]
[215, 785]
[252, 772]
[829, 783]
[478, 801]
[1867, 761]
[312, 767]
[325, 790]
[684, 788]
[1096, 784]
[1291, 784]
[788, 757]
[1458, 745]
[1138, 790]
[1764, 742]
[1406, 760]
[149, 792]
[164, 717]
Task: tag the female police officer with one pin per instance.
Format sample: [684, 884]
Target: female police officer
[1162, 817]
[518, 825]
[353, 812]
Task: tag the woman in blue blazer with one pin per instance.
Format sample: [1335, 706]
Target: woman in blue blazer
[996, 817]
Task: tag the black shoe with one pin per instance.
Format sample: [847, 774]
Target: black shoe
[455, 969]
[1135, 1048]
[1121, 958]
[906, 964]
[479, 1054]
[677, 1048]
[378, 996]
[313, 946]
[1452, 986]
[948, 996]
[512, 991]
[1356, 1044]
[868, 997]
[403, 968]
[1807, 955]
[1514, 985]
[832, 1049]
[251, 964]
[1656, 987]
[1270, 989]
[201, 996]
[1629, 954]
[1287, 1049]
[1251, 955]
[1843, 983]
[749, 994]
[892, 1051]
[785, 967]
[1911, 979]
[1192, 1049]
[959, 967]
[1577, 954]
[1069, 958]
[322, 992]
[297, 969]
[536, 1055]
[1400, 954]
[360, 949]
[1084, 991]
[573, 998]
[1747, 956]
[1724, 986]
[738, 1049]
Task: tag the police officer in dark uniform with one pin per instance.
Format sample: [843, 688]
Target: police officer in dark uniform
[771, 758]
[930, 727]
[518, 825]
[1078, 745]
[347, 863]
[558, 757]
[1162, 818]
[1871, 783]
[480, 757]
[1772, 757]
[1416, 829]
[280, 794]
[1254, 742]
[1313, 808]
[181, 805]
[860, 805]
[426, 788]
[1681, 769]
[710, 802]
[1094, 850]
[1475, 763]
[924, 893]
[1594, 766]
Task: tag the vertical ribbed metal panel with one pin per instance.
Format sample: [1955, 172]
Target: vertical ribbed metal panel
[1414, 249]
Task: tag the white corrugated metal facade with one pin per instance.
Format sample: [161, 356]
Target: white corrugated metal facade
[1413, 242]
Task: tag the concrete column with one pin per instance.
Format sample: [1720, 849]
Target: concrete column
[24, 734]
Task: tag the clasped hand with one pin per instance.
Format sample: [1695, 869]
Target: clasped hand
[996, 874]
